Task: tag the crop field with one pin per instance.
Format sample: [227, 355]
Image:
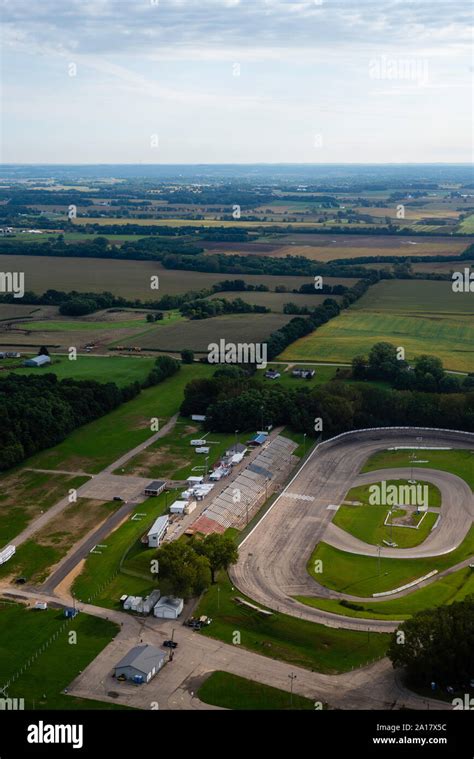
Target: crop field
[364, 575]
[420, 296]
[296, 641]
[95, 445]
[445, 330]
[276, 301]
[24, 632]
[17, 311]
[442, 267]
[35, 558]
[459, 462]
[467, 225]
[447, 590]
[129, 279]
[197, 335]
[24, 494]
[367, 522]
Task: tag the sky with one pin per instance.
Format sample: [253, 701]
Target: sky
[236, 81]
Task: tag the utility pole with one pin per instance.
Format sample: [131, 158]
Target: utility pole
[292, 677]
[379, 550]
[218, 597]
[304, 444]
[207, 459]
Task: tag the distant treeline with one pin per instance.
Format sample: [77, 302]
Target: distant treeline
[232, 400]
[38, 411]
[205, 309]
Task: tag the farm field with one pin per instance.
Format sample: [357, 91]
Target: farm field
[95, 445]
[459, 462]
[362, 575]
[17, 311]
[467, 225]
[35, 558]
[366, 521]
[334, 251]
[100, 580]
[441, 325]
[276, 301]
[119, 369]
[24, 632]
[25, 494]
[233, 692]
[420, 296]
[197, 335]
[296, 641]
[447, 590]
[129, 279]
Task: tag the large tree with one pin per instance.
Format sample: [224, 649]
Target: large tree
[437, 645]
[220, 551]
[185, 573]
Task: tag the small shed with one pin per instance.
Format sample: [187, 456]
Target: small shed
[155, 488]
[37, 361]
[141, 662]
[168, 607]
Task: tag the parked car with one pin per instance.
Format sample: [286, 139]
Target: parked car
[20, 580]
[170, 643]
[118, 498]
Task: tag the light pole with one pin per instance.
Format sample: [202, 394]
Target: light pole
[292, 677]
[304, 444]
[218, 597]
[207, 459]
[379, 551]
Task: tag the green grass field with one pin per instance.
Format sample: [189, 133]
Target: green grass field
[23, 632]
[233, 692]
[453, 587]
[94, 446]
[366, 522]
[363, 575]
[119, 369]
[296, 641]
[172, 457]
[24, 495]
[101, 580]
[459, 462]
[35, 558]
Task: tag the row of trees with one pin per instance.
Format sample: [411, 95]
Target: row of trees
[38, 411]
[204, 309]
[239, 401]
[425, 373]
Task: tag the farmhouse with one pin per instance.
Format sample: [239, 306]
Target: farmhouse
[157, 531]
[141, 663]
[168, 607]
[155, 488]
[37, 361]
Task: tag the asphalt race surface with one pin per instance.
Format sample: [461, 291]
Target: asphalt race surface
[273, 558]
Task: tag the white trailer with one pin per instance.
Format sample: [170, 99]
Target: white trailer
[198, 442]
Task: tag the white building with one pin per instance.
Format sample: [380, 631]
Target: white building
[157, 531]
[168, 607]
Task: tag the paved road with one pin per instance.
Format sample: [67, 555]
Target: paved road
[273, 557]
[457, 515]
[372, 687]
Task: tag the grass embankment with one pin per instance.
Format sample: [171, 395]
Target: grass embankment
[234, 692]
[296, 641]
[459, 462]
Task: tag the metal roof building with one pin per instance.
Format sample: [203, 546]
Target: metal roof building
[155, 488]
[37, 361]
[168, 607]
[157, 531]
[141, 662]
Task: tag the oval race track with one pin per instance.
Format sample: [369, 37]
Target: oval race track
[272, 564]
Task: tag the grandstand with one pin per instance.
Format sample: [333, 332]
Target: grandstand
[236, 505]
